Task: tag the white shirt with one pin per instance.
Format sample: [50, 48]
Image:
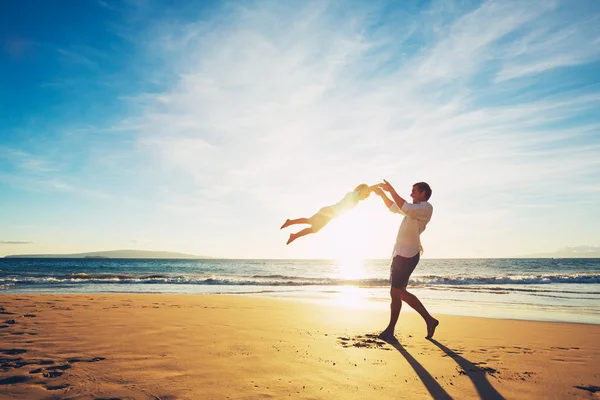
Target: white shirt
[416, 217]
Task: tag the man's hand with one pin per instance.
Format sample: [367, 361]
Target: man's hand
[397, 199]
[386, 186]
[379, 191]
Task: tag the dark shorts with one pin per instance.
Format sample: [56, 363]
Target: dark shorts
[401, 269]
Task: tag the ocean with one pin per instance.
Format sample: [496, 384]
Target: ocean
[565, 290]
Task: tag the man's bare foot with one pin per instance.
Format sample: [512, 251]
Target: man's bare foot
[291, 239]
[285, 224]
[387, 335]
[431, 325]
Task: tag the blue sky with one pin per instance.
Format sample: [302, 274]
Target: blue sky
[200, 127]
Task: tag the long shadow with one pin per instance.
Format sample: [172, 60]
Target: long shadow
[475, 373]
[434, 388]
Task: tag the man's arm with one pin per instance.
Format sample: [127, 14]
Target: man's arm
[397, 199]
[385, 199]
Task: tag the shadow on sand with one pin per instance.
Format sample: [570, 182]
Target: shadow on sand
[475, 373]
[434, 388]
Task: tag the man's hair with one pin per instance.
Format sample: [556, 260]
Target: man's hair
[423, 187]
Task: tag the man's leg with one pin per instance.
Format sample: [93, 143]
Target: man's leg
[395, 307]
[416, 304]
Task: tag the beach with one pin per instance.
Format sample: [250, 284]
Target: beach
[186, 346]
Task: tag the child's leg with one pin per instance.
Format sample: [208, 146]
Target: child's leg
[289, 222]
[296, 235]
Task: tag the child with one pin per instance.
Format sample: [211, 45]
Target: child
[326, 214]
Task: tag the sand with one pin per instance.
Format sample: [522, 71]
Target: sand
[148, 346]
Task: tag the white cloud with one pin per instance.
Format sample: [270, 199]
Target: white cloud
[471, 40]
[546, 49]
[25, 161]
[278, 92]
[266, 109]
[78, 59]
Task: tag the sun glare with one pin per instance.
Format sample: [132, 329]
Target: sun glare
[350, 268]
[352, 237]
[351, 296]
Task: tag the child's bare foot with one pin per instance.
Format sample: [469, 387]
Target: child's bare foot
[285, 224]
[431, 325]
[291, 239]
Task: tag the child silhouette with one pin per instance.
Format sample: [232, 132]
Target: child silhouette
[326, 214]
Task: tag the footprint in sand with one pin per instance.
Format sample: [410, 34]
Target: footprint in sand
[8, 363]
[52, 374]
[56, 387]
[12, 352]
[95, 359]
[43, 370]
[369, 341]
[486, 370]
[525, 375]
[11, 380]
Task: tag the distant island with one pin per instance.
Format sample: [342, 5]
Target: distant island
[115, 254]
[569, 252]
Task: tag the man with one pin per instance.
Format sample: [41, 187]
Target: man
[407, 251]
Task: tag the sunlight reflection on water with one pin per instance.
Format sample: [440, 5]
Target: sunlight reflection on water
[350, 268]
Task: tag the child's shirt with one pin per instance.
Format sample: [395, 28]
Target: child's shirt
[349, 201]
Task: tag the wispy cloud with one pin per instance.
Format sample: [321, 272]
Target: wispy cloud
[470, 41]
[549, 47]
[104, 4]
[25, 161]
[78, 57]
[254, 110]
[29, 171]
[275, 99]
[16, 242]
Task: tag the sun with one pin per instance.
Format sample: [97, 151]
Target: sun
[364, 232]
[351, 242]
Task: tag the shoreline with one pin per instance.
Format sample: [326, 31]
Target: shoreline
[514, 289]
[189, 346]
[339, 296]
